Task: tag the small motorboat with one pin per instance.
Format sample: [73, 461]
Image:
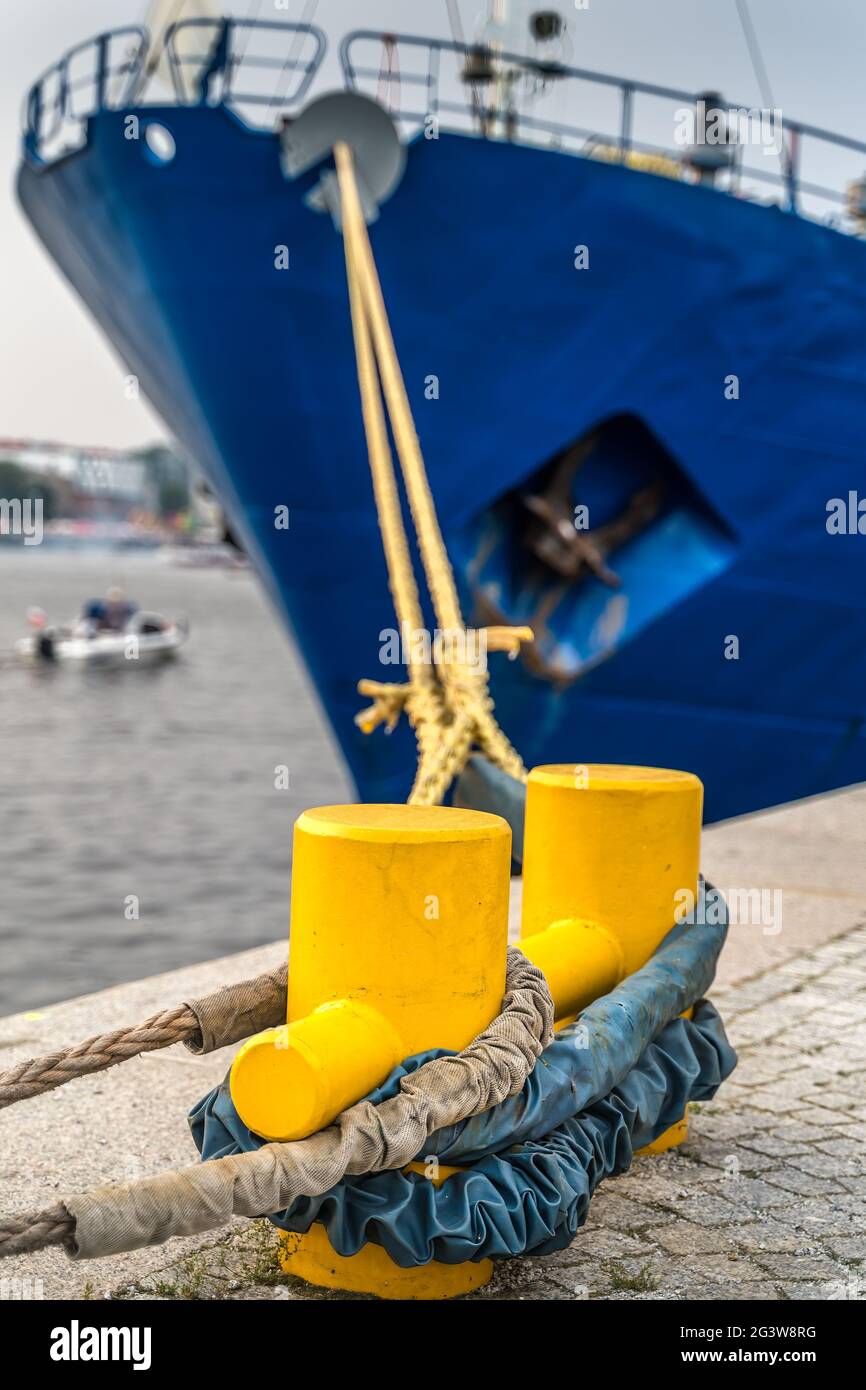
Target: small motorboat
[147, 639]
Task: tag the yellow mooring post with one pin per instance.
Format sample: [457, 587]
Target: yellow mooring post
[609, 847]
[398, 940]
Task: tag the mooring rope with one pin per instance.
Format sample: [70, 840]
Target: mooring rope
[370, 1138]
[22, 1235]
[40, 1074]
[366, 1138]
[450, 708]
[204, 1024]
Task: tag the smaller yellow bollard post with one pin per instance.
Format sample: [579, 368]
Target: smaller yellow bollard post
[614, 845]
[579, 960]
[398, 941]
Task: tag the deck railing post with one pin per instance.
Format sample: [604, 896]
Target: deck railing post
[101, 70]
[626, 101]
[34, 122]
[792, 165]
[232, 62]
[432, 81]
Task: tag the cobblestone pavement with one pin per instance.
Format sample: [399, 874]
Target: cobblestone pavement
[766, 1200]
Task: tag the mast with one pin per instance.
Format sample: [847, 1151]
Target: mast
[509, 27]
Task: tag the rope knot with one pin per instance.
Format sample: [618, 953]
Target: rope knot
[389, 701]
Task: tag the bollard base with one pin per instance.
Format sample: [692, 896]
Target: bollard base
[311, 1257]
[677, 1134]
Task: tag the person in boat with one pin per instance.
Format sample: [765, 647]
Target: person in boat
[44, 636]
[111, 614]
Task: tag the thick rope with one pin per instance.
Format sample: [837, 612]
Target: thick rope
[40, 1074]
[25, 1234]
[421, 697]
[205, 1024]
[451, 711]
[366, 1138]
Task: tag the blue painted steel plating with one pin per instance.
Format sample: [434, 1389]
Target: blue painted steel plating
[253, 369]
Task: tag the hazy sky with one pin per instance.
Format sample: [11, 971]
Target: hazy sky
[58, 377]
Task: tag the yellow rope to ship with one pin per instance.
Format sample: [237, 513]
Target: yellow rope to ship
[449, 704]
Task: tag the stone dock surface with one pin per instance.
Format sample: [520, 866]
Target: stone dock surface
[767, 1199]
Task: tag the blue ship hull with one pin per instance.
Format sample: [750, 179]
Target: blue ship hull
[253, 369]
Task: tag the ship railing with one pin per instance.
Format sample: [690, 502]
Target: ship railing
[103, 72]
[245, 77]
[220, 61]
[263, 68]
[426, 84]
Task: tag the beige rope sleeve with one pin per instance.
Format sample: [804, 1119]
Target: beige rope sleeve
[366, 1138]
[240, 1010]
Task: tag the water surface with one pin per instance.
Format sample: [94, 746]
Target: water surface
[156, 784]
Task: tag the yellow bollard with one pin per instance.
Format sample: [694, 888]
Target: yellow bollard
[399, 925]
[398, 938]
[312, 1257]
[613, 845]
